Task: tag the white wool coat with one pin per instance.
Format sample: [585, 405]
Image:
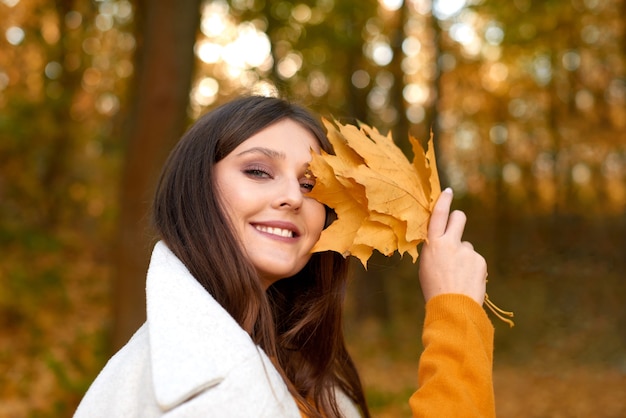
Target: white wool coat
[190, 359]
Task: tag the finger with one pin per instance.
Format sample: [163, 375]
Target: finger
[439, 217]
[468, 245]
[456, 225]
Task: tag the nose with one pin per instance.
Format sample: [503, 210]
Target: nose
[289, 195]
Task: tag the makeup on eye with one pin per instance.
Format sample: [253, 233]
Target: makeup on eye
[307, 183]
[267, 171]
[309, 180]
[258, 171]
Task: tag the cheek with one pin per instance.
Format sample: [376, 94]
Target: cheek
[226, 199]
[233, 206]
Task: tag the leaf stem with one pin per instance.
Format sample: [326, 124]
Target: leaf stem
[500, 313]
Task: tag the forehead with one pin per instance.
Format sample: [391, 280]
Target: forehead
[286, 136]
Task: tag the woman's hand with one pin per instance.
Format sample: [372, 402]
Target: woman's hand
[447, 264]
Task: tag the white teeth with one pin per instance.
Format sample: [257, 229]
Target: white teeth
[275, 231]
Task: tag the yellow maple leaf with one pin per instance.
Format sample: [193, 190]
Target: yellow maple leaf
[382, 201]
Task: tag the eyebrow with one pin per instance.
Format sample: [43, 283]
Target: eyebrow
[265, 151]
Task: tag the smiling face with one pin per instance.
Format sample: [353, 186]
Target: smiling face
[263, 185]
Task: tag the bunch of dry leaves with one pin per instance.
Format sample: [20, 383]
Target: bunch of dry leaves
[383, 202]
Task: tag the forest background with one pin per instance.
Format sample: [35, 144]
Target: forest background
[527, 104]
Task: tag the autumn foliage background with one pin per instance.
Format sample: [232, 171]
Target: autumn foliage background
[527, 104]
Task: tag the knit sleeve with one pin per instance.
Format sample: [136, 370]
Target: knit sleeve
[455, 370]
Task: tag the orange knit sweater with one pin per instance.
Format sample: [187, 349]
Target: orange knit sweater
[455, 371]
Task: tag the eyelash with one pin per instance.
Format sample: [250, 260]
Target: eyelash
[308, 186]
[259, 172]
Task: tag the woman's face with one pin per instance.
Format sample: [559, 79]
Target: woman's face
[263, 185]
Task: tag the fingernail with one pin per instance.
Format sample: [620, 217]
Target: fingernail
[447, 190]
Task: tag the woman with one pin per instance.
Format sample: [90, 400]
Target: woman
[243, 321]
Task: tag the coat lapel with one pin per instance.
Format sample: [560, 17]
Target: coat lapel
[194, 342]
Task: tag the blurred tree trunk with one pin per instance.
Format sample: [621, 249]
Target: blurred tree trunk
[158, 112]
[432, 112]
[369, 288]
[502, 213]
[55, 177]
[400, 129]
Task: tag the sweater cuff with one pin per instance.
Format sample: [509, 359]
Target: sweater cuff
[451, 306]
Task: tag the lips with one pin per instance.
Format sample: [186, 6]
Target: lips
[283, 230]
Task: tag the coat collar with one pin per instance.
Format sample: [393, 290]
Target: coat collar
[194, 342]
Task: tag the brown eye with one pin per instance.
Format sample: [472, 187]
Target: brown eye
[307, 184]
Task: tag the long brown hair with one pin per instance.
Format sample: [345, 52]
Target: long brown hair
[298, 320]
